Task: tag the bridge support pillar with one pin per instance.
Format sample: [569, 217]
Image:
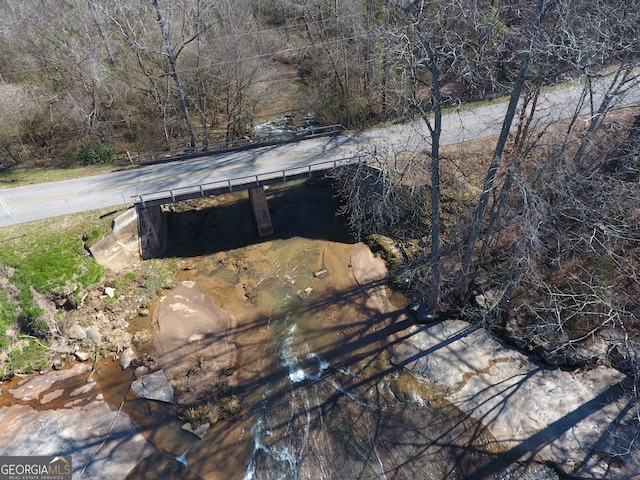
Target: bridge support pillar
[151, 231]
[260, 209]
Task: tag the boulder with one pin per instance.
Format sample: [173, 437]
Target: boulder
[76, 332]
[104, 443]
[305, 293]
[93, 335]
[321, 273]
[82, 356]
[197, 431]
[154, 386]
[127, 357]
[562, 416]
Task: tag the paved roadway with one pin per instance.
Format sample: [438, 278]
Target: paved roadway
[25, 204]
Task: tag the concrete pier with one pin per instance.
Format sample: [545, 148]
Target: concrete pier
[260, 209]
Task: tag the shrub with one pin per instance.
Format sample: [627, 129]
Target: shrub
[202, 414]
[97, 153]
[230, 406]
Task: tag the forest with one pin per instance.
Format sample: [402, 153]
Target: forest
[533, 233]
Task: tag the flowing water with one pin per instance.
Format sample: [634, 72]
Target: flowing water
[320, 398]
[327, 404]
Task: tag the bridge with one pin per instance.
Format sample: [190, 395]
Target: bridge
[139, 233]
[148, 205]
[246, 182]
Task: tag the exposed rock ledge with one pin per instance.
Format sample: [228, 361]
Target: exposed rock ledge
[194, 343]
[574, 420]
[104, 444]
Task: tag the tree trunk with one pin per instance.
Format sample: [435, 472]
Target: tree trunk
[436, 221]
[168, 50]
[489, 180]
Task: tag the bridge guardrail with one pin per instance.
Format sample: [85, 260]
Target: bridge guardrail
[182, 153]
[238, 183]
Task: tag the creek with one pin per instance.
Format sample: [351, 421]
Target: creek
[320, 397]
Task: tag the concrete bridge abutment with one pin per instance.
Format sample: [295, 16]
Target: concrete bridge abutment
[260, 209]
[140, 233]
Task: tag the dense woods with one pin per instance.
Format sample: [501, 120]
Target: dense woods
[533, 232]
[155, 75]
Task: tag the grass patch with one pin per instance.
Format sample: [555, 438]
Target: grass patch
[30, 357]
[20, 176]
[57, 261]
[49, 258]
[7, 318]
[46, 262]
[201, 414]
[51, 254]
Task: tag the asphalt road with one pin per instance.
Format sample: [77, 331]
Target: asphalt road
[29, 203]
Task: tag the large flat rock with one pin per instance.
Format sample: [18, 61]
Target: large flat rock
[154, 386]
[577, 420]
[195, 341]
[103, 444]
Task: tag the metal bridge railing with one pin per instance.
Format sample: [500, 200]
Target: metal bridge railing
[239, 183]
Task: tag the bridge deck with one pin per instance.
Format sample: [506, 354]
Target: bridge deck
[243, 183]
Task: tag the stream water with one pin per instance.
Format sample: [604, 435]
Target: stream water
[320, 399]
[324, 403]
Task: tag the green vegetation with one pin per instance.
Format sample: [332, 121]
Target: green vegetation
[57, 261]
[29, 357]
[48, 260]
[48, 277]
[96, 153]
[7, 318]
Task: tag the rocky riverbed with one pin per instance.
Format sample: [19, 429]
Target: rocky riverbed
[471, 403]
[64, 413]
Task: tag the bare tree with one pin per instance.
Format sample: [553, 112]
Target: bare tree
[542, 9]
[434, 44]
[159, 51]
[56, 43]
[172, 51]
[517, 209]
[343, 75]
